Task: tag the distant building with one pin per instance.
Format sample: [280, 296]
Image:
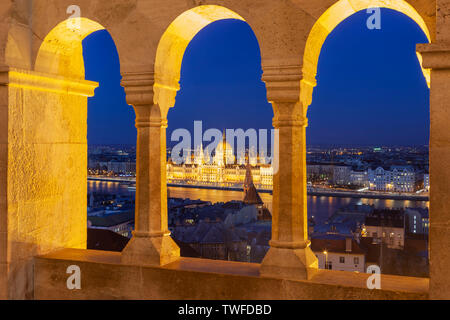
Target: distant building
[385, 226]
[119, 167]
[394, 179]
[317, 172]
[222, 170]
[417, 221]
[359, 177]
[346, 221]
[426, 181]
[341, 174]
[121, 223]
[246, 215]
[214, 240]
[251, 196]
[338, 253]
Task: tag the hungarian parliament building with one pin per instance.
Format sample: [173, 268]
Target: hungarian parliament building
[223, 170]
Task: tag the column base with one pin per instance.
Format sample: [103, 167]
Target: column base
[289, 262]
[150, 250]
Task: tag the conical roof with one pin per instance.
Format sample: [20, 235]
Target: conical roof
[252, 196]
[248, 178]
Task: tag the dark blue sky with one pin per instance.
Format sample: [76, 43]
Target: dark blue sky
[370, 87]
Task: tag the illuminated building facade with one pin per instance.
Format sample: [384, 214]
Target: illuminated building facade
[222, 170]
[426, 181]
[387, 227]
[359, 178]
[396, 179]
[339, 253]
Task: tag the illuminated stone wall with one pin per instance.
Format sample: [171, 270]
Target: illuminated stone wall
[43, 120]
[46, 170]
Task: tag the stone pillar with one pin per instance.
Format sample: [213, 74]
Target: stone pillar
[151, 242]
[4, 99]
[437, 57]
[289, 255]
[43, 136]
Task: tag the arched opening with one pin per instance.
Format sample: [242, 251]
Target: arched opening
[221, 89]
[370, 116]
[111, 138]
[64, 52]
[173, 44]
[61, 52]
[47, 181]
[101, 127]
[52, 183]
[195, 72]
[328, 21]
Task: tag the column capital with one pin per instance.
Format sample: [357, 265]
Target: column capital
[151, 243]
[290, 245]
[282, 82]
[281, 122]
[289, 114]
[435, 56]
[139, 93]
[139, 87]
[149, 122]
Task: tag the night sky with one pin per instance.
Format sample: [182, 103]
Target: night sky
[370, 91]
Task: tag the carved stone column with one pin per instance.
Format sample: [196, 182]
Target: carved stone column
[151, 242]
[289, 255]
[437, 57]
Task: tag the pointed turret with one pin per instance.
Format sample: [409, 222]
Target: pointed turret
[248, 178]
[224, 147]
[251, 195]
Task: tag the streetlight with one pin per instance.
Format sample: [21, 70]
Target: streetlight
[326, 258]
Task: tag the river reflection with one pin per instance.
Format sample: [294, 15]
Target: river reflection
[319, 207]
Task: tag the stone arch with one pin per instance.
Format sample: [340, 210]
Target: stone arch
[61, 52]
[152, 94]
[47, 130]
[16, 51]
[330, 19]
[173, 44]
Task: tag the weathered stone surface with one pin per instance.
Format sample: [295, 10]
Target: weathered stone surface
[148, 250]
[437, 57]
[297, 264]
[45, 161]
[43, 140]
[202, 279]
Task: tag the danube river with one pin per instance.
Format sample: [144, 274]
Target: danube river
[319, 207]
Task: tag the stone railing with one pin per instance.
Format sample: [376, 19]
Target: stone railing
[105, 276]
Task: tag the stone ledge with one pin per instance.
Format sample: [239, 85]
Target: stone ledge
[39, 81]
[435, 55]
[103, 276]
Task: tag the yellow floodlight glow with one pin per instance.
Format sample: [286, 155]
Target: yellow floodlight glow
[61, 52]
[329, 20]
[47, 83]
[173, 44]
